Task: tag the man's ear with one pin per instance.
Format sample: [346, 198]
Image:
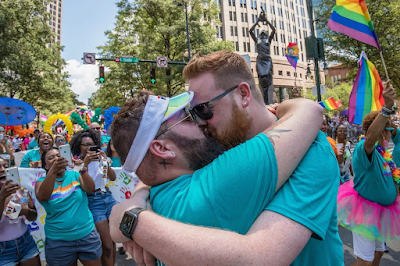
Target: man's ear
[245, 93]
[162, 148]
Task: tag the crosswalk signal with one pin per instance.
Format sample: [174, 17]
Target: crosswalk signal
[153, 75]
[101, 77]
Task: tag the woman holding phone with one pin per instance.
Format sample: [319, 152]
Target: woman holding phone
[69, 223]
[85, 147]
[17, 246]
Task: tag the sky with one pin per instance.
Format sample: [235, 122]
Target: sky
[83, 25]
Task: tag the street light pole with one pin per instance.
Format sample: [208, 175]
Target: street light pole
[187, 29]
[316, 66]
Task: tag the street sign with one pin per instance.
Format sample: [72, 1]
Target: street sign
[162, 61]
[89, 58]
[128, 59]
[117, 59]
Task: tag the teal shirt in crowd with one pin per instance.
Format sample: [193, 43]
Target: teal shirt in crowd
[68, 215]
[309, 197]
[31, 156]
[116, 162]
[33, 145]
[396, 150]
[369, 181]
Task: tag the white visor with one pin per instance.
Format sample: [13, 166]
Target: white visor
[158, 109]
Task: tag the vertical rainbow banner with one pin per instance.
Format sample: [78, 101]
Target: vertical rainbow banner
[366, 95]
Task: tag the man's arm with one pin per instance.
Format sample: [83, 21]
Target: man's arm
[272, 240]
[299, 123]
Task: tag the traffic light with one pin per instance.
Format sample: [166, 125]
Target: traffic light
[153, 75]
[101, 77]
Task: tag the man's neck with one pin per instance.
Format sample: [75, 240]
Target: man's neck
[262, 119]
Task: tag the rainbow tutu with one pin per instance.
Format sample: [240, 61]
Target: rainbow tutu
[369, 219]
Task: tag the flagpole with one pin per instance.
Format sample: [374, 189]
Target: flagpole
[384, 65]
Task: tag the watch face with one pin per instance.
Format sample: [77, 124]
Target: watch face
[127, 221]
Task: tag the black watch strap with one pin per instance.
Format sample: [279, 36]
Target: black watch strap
[131, 215]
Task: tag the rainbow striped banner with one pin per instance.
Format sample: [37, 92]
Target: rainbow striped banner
[330, 104]
[351, 18]
[366, 95]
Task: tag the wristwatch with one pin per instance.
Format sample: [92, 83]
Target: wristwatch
[129, 221]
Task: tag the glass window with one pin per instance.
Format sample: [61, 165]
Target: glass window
[280, 73]
[288, 73]
[248, 47]
[244, 46]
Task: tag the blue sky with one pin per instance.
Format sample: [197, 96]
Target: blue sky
[83, 25]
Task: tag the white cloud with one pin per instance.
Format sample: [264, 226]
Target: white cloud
[82, 78]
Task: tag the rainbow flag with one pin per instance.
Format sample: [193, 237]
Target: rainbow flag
[330, 104]
[366, 95]
[292, 53]
[351, 18]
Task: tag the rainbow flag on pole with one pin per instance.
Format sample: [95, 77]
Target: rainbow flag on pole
[330, 104]
[351, 18]
[292, 53]
[366, 95]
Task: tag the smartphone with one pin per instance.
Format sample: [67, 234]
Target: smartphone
[65, 151]
[93, 148]
[12, 174]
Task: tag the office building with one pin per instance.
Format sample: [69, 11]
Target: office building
[291, 21]
[55, 9]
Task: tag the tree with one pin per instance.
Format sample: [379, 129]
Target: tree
[30, 59]
[151, 28]
[343, 49]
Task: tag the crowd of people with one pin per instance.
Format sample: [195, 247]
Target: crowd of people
[228, 181]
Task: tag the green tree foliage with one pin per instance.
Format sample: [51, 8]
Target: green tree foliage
[150, 28]
[339, 92]
[30, 59]
[343, 49]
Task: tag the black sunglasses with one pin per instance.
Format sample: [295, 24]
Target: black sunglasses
[203, 111]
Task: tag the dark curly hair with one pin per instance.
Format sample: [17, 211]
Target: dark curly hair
[368, 119]
[43, 158]
[77, 140]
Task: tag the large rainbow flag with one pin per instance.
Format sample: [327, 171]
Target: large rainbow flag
[366, 95]
[351, 18]
[330, 104]
[292, 53]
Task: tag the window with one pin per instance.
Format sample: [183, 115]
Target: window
[216, 27]
[242, 16]
[280, 73]
[229, 2]
[288, 73]
[230, 15]
[272, 9]
[243, 32]
[301, 76]
[248, 47]
[232, 31]
[251, 4]
[234, 16]
[245, 17]
[295, 74]
[258, 31]
[252, 18]
[234, 4]
[255, 47]
[236, 31]
[221, 32]
[274, 50]
[283, 51]
[255, 5]
[247, 33]
[237, 46]
[220, 17]
[244, 46]
[244, 3]
[302, 58]
[303, 14]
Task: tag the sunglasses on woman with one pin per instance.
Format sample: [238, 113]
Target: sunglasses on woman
[203, 111]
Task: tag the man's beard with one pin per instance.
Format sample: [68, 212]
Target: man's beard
[235, 132]
[198, 152]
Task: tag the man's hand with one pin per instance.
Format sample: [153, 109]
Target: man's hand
[141, 256]
[138, 199]
[389, 94]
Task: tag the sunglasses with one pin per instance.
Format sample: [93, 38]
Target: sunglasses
[97, 128]
[203, 111]
[189, 117]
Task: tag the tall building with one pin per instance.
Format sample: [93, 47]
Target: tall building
[292, 24]
[55, 9]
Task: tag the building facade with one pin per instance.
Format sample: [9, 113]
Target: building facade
[55, 9]
[292, 24]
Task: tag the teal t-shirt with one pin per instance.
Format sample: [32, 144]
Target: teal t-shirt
[396, 150]
[30, 157]
[116, 162]
[229, 193]
[309, 197]
[33, 145]
[68, 215]
[369, 181]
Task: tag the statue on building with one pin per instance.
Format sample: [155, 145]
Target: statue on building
[264, 61]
